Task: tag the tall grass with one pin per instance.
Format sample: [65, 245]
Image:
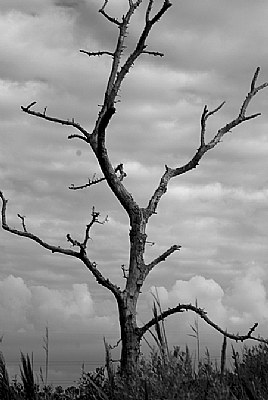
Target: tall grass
[27, 377]
[5, 391]
[166, 374]
[156, 379]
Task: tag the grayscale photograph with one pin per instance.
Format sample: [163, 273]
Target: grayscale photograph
[134, 199]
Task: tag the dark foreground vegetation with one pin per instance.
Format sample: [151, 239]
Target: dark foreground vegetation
[165, 375]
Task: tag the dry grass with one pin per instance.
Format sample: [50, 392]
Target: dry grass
[169, 375]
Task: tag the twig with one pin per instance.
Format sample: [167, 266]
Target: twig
[43, 115]
[153, 53]
[205, 115]
[103, 12]
[95, 220]
[96, 53]
[22, 217]
[119, 170]
[148, 11]
[90, 182]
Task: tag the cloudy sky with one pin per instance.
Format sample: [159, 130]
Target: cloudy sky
[217, 213]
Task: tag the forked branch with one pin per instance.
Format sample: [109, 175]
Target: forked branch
[206, 114]
[118, 73]
[141, 44]
[199, 311]
[95, 220]
[204, 147]
[25, 233]
[92, 266]
[96, 139]
[107, 16]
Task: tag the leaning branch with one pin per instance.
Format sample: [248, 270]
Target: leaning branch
[204, 147]
[203, 315]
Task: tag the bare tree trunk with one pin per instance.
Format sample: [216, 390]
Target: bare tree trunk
[130, 338]
[130, 335]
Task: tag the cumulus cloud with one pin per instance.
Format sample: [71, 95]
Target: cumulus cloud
[28, 308]
[15, 303]
[75, 328]
[208, 294]
[236, 307]
[247, 297]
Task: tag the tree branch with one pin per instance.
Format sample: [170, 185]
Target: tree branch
[75, 136]
[160, 191]
[148, 11]
[90, 182]
[103, 12]
[186, 307]
[95, 220]
[140, 47]
[206, 114]
[115, 79]
[153, 53]
[162, 257]
[96, 53]
[105, 282]
[204, 147]
[25, 233]
[92, 266]
[72, 123]
[22, 217]
[164, 8]
[119, 170]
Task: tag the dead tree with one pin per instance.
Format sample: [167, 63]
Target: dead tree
[127, 297]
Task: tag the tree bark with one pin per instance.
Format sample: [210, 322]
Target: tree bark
[130, 338]
[130, 335]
